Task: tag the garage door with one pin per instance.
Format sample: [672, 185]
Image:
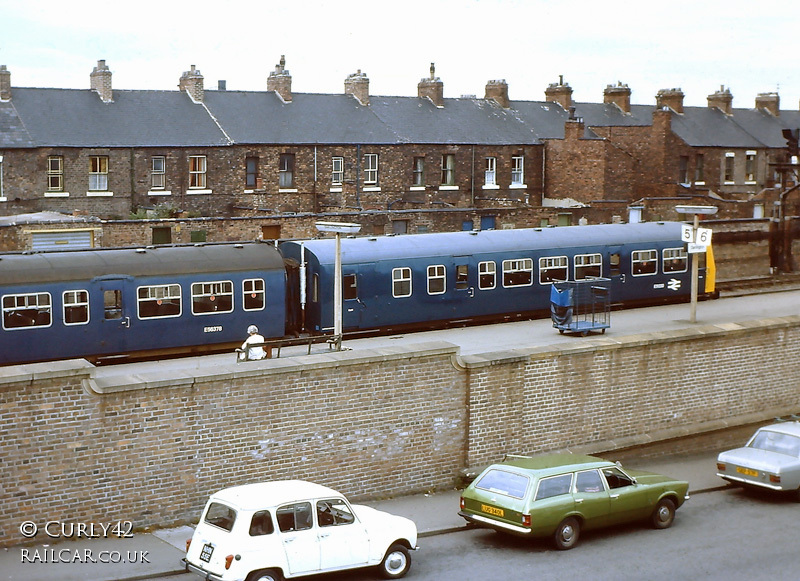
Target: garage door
[62, 240]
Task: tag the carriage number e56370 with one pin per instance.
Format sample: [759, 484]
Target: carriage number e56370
[214, 329]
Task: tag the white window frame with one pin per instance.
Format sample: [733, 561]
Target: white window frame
[251, 286]
[646, 261]
[750, 167]
[158, 171]
[78, 298]
[513, 266]
[490, 173]
[487, 268]
[400, 276]
[212, 290]
[371, 168]
[418, 172]
[548, 263]
[671, 254]
[585, 261]
[437, 278]
[730, 158]
[448, 170]
[24, 301]
[286, 177]
[337, 170]
[98, 173]
[198, 166]
[159, 292]
[517, 171]
[56, 173]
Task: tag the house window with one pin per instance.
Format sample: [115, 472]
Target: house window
[729, 161]
[517, 170]
[699, 169]
[418, 171]
[401, 282]
[518, 272]
[750, 166]
[436, 279]
[157, 172]
[251, 172]
[683, 170]
[197, 171]
[448, 169]
[337, 173]
[286, 171]
[98, 173]
[55, 173]
[490, 173]
[371, 168]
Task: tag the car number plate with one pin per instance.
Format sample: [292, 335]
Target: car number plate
[492, 510]
[747, 471]
[205, 554]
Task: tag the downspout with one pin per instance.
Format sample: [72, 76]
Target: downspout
[315, 201]
[472, 180]
[358, 177]
[302, 286]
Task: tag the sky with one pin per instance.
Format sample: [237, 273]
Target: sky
[747, 46]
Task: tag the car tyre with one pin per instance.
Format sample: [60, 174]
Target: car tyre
[396, 562]
[265, 575]
[567, 534]
[664, 514]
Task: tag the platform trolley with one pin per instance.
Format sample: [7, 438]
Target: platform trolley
[581, 306]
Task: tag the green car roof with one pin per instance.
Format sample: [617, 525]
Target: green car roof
[553, 463]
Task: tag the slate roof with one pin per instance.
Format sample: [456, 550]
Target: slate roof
[78, 118]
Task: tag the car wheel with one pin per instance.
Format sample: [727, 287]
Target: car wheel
[567, 533]
[396, 562]
[265, 575]
[664, 514]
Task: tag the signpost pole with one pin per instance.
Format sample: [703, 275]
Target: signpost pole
[696, 211]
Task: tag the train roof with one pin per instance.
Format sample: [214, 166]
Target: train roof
[151, 261]
[373, 248]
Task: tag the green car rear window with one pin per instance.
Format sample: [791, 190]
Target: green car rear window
[502, 482]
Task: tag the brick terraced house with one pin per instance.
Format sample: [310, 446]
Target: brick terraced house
[399, 164]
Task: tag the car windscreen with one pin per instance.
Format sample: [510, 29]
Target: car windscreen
[220, 515]
[776, 442]
[502, 482]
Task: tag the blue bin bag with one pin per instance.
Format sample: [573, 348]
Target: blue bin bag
[561, 306]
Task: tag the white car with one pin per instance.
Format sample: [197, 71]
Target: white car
[770, 459]
[283, 529]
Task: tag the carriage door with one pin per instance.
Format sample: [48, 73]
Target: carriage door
[353, 297]
[616, 271]
[115, 319]
[464, 282]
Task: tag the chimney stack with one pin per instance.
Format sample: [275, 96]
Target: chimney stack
[560, 93]
[192, 82]
[722, 100]
[432, 88]
[619, 95]
[5, 83]
[357, 85]
[769, 101]
[498, 90]
[280, 81]
[672, 98]
[100, 81]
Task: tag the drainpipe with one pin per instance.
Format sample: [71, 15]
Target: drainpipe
[472, 180]
[358, 177]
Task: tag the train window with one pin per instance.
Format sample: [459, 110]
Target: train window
[675, 260]
[253, 294]
[553, 268]
[588, 266]
[462, 276]
[401, 282]
[436, 280]
[487, 275]
[614, 264]
[518, 272]
[28, 310]
[162, 300]
[349, 287]
[112, 304]
[212, 297]
[76, 307]
[315, 288]
[644, 262]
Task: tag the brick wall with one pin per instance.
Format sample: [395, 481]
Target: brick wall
[149, 448]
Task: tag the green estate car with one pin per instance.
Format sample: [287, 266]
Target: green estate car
[558, 495]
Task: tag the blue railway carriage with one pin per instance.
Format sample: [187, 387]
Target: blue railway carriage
[417, 280]
[158, 300]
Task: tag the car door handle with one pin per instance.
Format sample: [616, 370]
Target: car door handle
[324, 536]
[579, 500]
[615, 496]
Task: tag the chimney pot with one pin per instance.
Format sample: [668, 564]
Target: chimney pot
[722, 100]
[771, 102]
[280, 81]
[560, 93]
[432, 88]
[357, 85]
[498, 91]
[191, 82]
[672, 98]
[5, 83]
[100, 81]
